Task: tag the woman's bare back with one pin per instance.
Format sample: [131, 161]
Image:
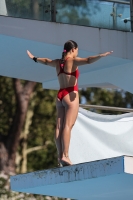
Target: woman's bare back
[66, 80]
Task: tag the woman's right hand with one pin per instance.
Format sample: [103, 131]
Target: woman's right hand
[30, 55]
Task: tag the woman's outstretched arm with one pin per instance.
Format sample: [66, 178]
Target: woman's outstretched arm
[82, 61]
[45, 61]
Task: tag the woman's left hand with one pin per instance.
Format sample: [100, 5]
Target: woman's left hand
[106, 54]
[30, 55]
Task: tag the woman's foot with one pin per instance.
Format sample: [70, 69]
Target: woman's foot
[65, 161]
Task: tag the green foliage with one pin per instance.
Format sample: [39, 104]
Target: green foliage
[43, 123]
[42, 130]
[18, 6]
[76, 12]
[32, 9]
[73, 12]
[104, 97]
[7, 104]
[6, 194]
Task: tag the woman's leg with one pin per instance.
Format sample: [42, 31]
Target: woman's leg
[71, 103]
[59, 127]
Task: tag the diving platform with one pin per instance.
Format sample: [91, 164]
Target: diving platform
[97, 180]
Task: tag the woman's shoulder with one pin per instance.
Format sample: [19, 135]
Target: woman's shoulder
[57, 61]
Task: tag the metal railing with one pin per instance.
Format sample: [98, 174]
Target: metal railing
[131, 10]
[110, 15]
[106, 108]
[121, 2]
[131, 14]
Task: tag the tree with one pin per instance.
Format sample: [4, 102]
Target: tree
[73, 12]
[36, 133]
[33, 108]
[6, 194]
[42, 128]
[76, 12]
[15, 119]
[31, 9]
[27, 123]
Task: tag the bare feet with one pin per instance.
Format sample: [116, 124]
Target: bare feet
[65, 161]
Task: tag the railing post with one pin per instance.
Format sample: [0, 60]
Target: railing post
[131, 14]
[114, 16]
[53, 10]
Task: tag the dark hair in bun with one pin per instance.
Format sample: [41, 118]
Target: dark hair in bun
[67, 47]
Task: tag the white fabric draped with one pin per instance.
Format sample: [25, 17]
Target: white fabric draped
[3, 10]
[95, 136]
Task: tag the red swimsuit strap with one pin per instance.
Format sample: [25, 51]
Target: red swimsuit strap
[62, 66]
[67, 58]
[75, 73]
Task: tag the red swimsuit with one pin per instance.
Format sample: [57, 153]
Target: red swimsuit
[64, 91]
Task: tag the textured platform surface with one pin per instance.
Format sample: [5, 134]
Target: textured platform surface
[110, 179]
